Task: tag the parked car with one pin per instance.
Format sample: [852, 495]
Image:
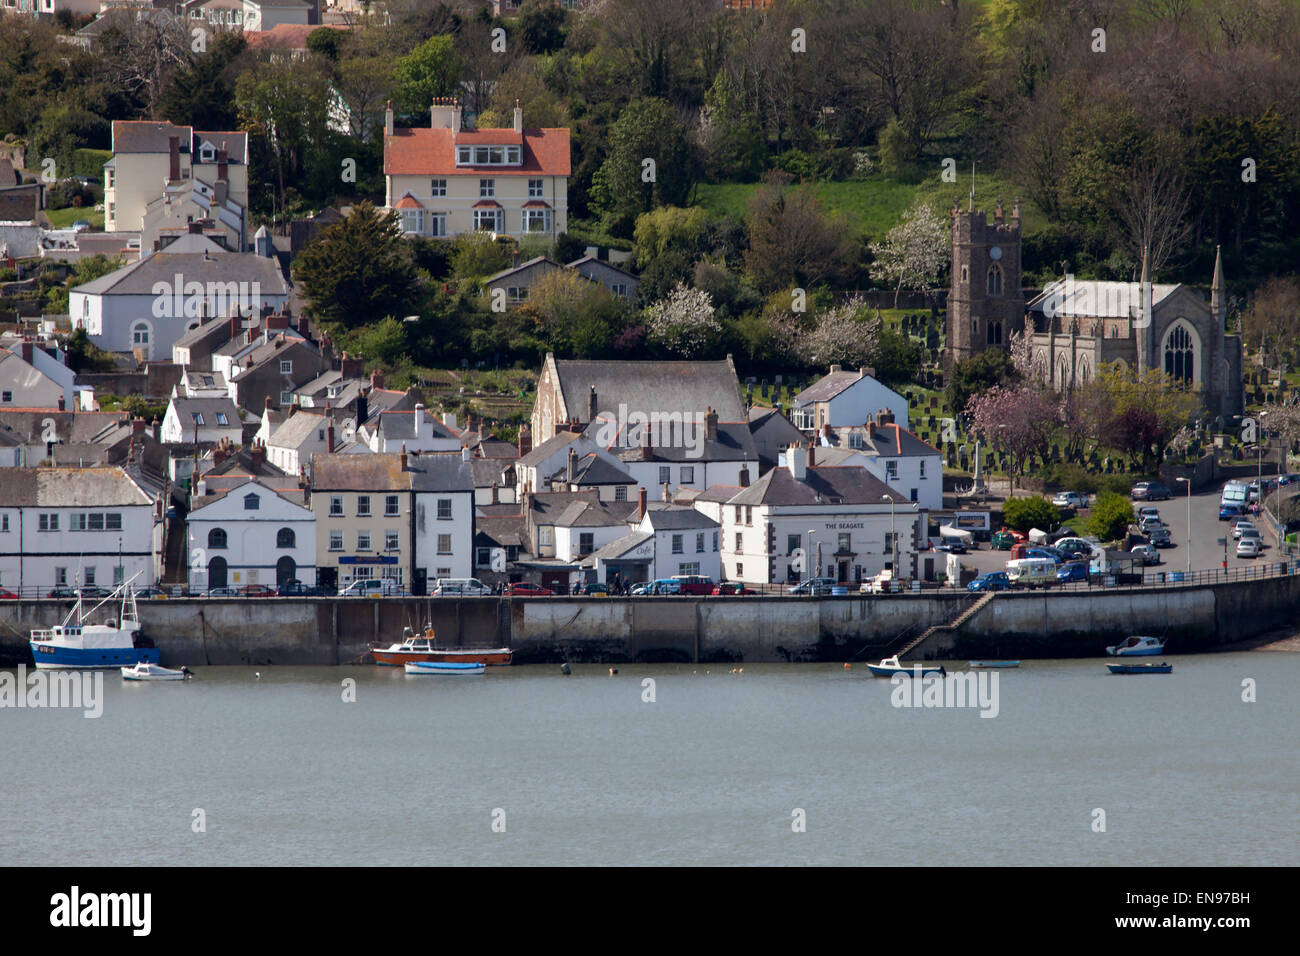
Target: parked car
[1148, 511]
[94, 591]
[296, 588]
[1072, 571]
[1041, 551]
[1070, 499]
[1148, 553]
[150, 594]
[1252, 533]
[528, 589]
[1288, 479]
[695, 583]
[666, 586]
[1227, 512]
[951, 545]
[7, 595]
[1149, 522]
[1150, 491]
[467, 587]
[731, 588]
[596, 589]
[1031, 572]
[990, 581]
[1249, 547]
[257, 590]
[1240, 525]
[813, 586]
[1160, 537]
[645, 587]
[222, 592]
[62, 592]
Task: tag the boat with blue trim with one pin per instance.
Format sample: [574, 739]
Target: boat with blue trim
[1138, 646]
[890, 666]
[83, 646]
[1161, 668]
[983, 665]
[444, 669]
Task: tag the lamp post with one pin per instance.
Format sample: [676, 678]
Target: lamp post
[1188, 482]
[1259, 457]
[817, 568]
[893, 536]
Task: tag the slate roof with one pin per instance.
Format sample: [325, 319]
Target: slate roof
[735, 442]
[679, 519]
[619, 547]
[148, 136]
[382, 472]
[20, 203]
[821, 486]
[299, 428]
[591, 469]
[890, 440]
[1091, 299]
[397, 425]
[71, 427]
[551, 446]
[71, 488]
[440, 472]
[522, 267]
[651, 386]
[138, 278]
[487, 470]
[591, 514]
[830, 385]
[186, 408]
[505, 531]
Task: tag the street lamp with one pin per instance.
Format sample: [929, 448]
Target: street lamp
[1188, 482]
[893, 536]
[817, 569]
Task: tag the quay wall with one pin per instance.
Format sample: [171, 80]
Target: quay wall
[303, 631]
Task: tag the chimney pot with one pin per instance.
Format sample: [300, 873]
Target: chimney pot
[640, 503]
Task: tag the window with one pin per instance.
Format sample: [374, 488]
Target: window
[749, 514]
[77, 522]
[444, 509]
[485, 219]
[487, 188]
[891, 471]
[286, 366]
[740, 542]
[390, 506]
[363, 506]
[534, 189]
[665, 474]
[413, 221]
[619, 289]
[285, 538]
[217, 539]
[252, 502]
[740, 570]
[516, 294]
[889, 542]
[464, 155]
[586, 542]
[995, 280]
[113, 521]
[391, 540]
[89, 575]
[140, 334]
[677, 544]
[715, 541]
[620, 493]
[336, 540]
[336, 506]
[6, 397]
[845, 542]
[444, 544]
[221, 419]
[4, 522]
[48, 522]
[61, 576]
[537, 220]
[544, 536]
[688, 474]
[921, 463]
[1180, 355]
[688, 567]
[286, 398]
[198, 417]
[363, 540]
[482, 557]
[438, 187]
[699, 542]
[96, 522]
[914, 494]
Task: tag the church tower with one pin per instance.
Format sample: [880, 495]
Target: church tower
[985, 303]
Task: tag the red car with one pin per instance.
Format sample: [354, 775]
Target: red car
[694, 583]
[528, 589]
[731, 587]
[256, 590]
[7, 595]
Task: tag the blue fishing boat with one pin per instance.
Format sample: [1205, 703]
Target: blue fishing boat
[986, 664]
[890, 666]
[445, 668]
[1161, 668]
[85, 646]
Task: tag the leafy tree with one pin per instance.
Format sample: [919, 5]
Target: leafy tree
[650, 163]
[475, 255]
[201, 93]
[85, 356]
[385, 341]
[977, 374]
[86, 270]
[1018, 421]
[915, 252]
[838, 335]
[792, 242]
[325, 42]
[1111, 516]
[1022, 514]
[897, 357]
[357, 270]
[541, 26]
[669, 229]
[429, 71]
[685, 323]
[285, 106]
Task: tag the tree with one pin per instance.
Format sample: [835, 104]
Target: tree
[1163, 404]
[897, 357]
[1022, 514]
[85, 356]
[792, 242]
[684, 323]
[1273, 319]
[1018, 421]
[143, 51]
[840, 335]
[669, 229]
[650, 163]
[1111, 516]
[977, 374]
[202, 93]
[1152, 205]
[914, 254]
[429, 71]
[541, 26]
[86, 270]
[357, 270]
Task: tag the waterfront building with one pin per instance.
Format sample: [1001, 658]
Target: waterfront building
[256, 532]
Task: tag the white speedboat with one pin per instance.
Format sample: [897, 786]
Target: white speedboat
[147, 671]
[1137, 647]
[890, 666]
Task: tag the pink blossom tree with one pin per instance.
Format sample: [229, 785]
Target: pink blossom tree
[1018, 422]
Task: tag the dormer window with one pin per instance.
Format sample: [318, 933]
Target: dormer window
[489, 155]
[207, 154]
[252, 502]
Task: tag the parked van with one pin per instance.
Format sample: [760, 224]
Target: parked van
[1235, 493]
[463, 587]
[1031, 572]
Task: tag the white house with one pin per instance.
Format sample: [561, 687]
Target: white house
[845, 398]
[33, 376]
[412, 429]
[686, 541]
[251, 534]
[68, 527]
[799, 521]
[442, 490]
[299, 436]
[201, 420]
[897, 457]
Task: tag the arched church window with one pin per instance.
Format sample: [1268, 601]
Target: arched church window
[995, 280]
[1180, 355]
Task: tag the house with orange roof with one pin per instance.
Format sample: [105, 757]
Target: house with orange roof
[445, 180]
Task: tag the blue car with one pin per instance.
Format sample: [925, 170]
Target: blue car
[666, 586]
[1227, 512]
[990, 581]
[1074, 571]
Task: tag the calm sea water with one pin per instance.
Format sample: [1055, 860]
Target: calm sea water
[711, 772]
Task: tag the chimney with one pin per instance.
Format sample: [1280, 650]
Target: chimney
[647, 450]
[157, 429]
[63, 405]
[266, 403]
[871, 427]
[350, 367]
[304, 327]
[796, 459]
[220, 192]
[885, 417]
[744, 476]
[826, 429]
[257, 455]
[329, 438]
[464, 454]
[363, 406]
[417, 421]
[278, 321]
[514, 258]
[812, 455]
[388, 118]
[836, 368]
[519, 118]
[173, 157]
[137, 427]
[222, 160]
[219, 453]
[591, 405]
[665, 493]
[234, 327]
[866, 371]
[449, 419]
[26, 351]
[403, 456]
[495, 492]
[525, 440]
[711, 424]
[573, 464]
[376, 379]
[640, 504]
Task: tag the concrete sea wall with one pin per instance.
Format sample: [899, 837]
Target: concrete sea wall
[200, 632]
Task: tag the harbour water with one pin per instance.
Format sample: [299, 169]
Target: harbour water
[527, 766]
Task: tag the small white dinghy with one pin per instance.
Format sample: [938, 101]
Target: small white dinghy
[445, 668]
[146, 671]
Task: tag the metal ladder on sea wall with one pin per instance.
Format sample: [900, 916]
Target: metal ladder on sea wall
[952, 625]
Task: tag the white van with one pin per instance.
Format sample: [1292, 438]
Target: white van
[464, 587]
[371, 587]
[1031, 572]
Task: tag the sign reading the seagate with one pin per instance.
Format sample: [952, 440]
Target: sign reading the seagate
[845, 525]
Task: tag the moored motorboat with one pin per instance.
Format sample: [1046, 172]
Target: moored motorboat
[146, 671]
[986, 664]
[85, 646]
[444, 668]
[1137, 646]
[890, 666]
[421, 648]
[1161, 668]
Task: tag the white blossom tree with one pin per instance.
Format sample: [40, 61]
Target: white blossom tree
[914, 254]
[841, 336]
[685, 322]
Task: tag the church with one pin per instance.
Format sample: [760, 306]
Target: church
[1079, 326]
